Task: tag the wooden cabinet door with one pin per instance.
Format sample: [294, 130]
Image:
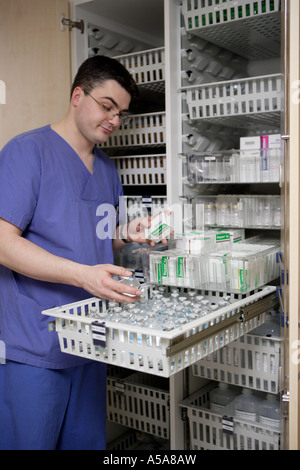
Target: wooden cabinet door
[34, 65]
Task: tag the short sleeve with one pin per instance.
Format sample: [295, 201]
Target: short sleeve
[20, 171]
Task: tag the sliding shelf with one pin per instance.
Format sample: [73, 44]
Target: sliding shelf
[147, 68]
[144, 130]
[158, 352]
[250, 28]
[237, 103]
[138, 170]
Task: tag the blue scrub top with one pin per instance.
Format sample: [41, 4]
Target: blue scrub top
[46, 190]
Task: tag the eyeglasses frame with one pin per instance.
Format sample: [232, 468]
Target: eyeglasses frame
[123, 119]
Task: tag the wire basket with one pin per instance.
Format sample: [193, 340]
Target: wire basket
[141, 169]
[156, 351]
[138, 403]
[228, 23]
[146, 67]
[243, 102]
[143, 130]
[210, 430]
[251, 361]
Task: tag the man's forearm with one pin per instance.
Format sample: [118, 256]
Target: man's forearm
[24, 257]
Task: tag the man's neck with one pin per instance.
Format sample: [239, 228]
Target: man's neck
[84, 149]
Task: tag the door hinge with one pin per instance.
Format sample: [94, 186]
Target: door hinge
[285, 399]
[67, 23]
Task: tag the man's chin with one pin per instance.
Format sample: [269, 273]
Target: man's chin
[101, 138]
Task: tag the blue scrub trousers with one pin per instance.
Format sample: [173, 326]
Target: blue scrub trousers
[48, 409]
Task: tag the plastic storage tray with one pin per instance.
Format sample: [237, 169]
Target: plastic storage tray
[143, 130]
[251, 361]
[234, 166]
[210, 431]
[227, 24]
[239, 269]
[141, 169]
[146, 67]
[242, 102]
[136, 402]
[153, 351]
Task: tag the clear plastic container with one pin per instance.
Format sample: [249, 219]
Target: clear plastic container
[221, 397]
[269, 411]
[246, 405]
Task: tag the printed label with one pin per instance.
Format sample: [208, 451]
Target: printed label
[243, 275]
[245, 415]
[222, 236]
[119, 387]
[227, 424]
[158, 273]
[99, 333]
[164, 266]
[269, 422]
[159, 230]
[180, 267]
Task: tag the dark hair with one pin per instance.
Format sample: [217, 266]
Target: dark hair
[98, 69]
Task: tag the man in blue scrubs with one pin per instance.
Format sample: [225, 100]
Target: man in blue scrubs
[52, 182]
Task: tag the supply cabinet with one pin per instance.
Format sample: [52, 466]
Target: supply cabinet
[209, 139]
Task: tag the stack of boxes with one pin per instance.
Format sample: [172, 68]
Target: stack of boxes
[260, 158]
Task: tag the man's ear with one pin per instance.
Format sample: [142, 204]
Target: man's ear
[76, 95]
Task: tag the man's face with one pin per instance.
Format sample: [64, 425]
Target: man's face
[97, 114]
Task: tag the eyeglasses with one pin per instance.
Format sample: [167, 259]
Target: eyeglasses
[124, 118]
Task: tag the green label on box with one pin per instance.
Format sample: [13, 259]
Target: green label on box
[243, 274]
[159, 273]
[180, 262]
[164, 266]
[222, 236]
[159, 230]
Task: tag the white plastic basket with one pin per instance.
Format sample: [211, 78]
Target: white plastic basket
[251, 361]
[143, 130]
[242, 102]
[138, 403]
[227, 24]
[209, 430]
[154, 351]
[141, 169]
[146, 67]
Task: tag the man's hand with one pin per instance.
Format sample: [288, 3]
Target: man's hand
[26, 258]
[99, 282]
[135, 230]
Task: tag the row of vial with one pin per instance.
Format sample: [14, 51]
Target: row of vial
[236, 167]
[264, 212]
[246, 405]
[164, 311]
